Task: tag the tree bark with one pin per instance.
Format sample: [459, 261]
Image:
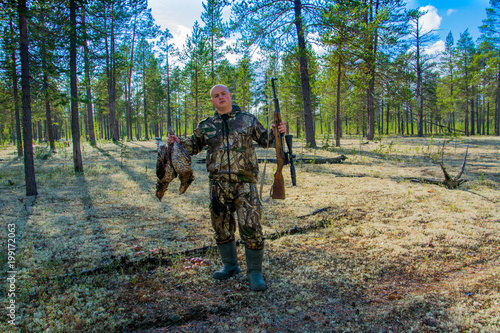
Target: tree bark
[387, 121]
[75, 126]
[144, 92]
[488, 119]
[497, 106]
[338, 122]
[420, 104]
[304, 77]
[129, 84]
[90, 112]
[29, 164]
[169, 111]
[110, 71]
[371, 68]
[472, 118]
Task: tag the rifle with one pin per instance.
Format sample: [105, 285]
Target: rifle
[278, 189]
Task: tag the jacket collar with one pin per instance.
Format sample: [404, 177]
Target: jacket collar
[231, 114]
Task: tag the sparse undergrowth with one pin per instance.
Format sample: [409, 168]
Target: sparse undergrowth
[402, 256]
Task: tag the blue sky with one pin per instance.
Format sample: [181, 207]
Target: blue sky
[454, 15]
[443, 15]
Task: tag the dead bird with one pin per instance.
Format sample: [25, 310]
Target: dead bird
[181, 161]
[164, 169]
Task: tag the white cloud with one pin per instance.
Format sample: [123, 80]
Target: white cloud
[431, 20]
[179, 34]
[435, 48]
[178, 19]
[450, 11]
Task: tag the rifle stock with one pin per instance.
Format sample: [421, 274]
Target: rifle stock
[278, 189]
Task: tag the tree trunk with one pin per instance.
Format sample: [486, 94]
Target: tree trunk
[483, 106]
[169, 111]
[29, 165]
[338, 122]
[110, 71]
[398, 128]
[40, 131]
[472, 118]
[90, 113]
[387, 121]
[75, 126]
[372, 44]
[304, 77]
[466, 120]
[128, 90]
[420, 104]
[497, 106]
[145, 99]
[478, 114]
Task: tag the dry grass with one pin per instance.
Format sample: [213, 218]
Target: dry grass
[403, 257]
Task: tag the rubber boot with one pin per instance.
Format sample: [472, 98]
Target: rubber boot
[254, 269]
[228, 254]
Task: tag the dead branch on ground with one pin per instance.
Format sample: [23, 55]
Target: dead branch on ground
[448, 182]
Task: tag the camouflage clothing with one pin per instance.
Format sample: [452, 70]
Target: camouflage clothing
[231, 155]
[242, 199]
[233, 170]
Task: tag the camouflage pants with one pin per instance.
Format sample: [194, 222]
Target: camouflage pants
[240, 199]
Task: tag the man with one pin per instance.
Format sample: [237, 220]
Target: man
[233, 170]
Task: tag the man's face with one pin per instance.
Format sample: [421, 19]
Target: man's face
[221, 98]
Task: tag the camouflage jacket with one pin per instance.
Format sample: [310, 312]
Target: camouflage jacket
[229, 138]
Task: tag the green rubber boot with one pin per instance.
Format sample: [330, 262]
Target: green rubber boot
[254, 269]
[228, 253]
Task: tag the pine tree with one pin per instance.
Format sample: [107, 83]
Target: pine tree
[75, 124]
[383, 22]
[491, 33]
[422, 37]
[448, 65]
[266, 23]
[245, 74]
[11, 50]
[197, 54]
[169, 51]
[215, 32]
[29, 165]
[465, 48]
[342, 23]
[87, 82]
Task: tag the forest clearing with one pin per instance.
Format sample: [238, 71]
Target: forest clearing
[355, 247]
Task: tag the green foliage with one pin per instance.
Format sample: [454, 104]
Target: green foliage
[171, 82]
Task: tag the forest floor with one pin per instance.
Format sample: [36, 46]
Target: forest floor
[97, 252]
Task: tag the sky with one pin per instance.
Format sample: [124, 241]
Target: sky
[442, 15]
[453, 16]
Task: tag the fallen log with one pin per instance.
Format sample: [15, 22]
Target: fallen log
[332, 160]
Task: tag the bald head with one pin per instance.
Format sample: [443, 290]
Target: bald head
[221, 98]
[218, 87]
